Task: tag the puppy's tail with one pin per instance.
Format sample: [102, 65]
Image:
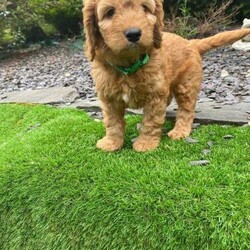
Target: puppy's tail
[227, 37]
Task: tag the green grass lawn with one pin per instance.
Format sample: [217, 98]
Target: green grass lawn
[57, 191]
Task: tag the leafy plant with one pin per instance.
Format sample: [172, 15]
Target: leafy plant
[186, 28]
[66, 16]
[213, 17]
[18, 22]
[23, 21]
[189, 24]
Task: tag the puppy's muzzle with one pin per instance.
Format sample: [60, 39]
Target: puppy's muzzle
[133, 35]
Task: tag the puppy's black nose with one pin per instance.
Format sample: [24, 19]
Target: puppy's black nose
[133, 34]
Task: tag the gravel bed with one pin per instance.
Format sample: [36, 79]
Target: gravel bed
[59, 66]
[64, 66]
[229, 89]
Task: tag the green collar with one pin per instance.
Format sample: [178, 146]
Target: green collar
[134, 67]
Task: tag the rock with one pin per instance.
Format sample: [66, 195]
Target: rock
[246, 125]
[240, 45]
[3, 96]
[224, 73]
[199, 163]
[246, 24]
[210, 144]
[191, 140]
[133, 140]
[206, 151]
[138, 126]
[230, 97]
[247, 99]
[195, 125]
[217, 107]
[90, 106]
[228, 137]
[244, 44]
[205, 99]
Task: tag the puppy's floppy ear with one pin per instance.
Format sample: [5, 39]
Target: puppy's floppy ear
[92, 33]
[159, 24]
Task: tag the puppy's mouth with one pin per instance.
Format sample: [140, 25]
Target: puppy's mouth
[133, 46]
[132, 50]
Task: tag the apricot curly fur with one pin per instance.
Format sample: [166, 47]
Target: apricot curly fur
[174, 69]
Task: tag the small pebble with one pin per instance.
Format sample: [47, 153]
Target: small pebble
[205, 99]
[206, 151]
[3, 97]
[138, 126]
[191, 140]
[195, 125]
[217, 107]
[246, 125]
[224, 74]
[199, 163]
[247, 99]
[133, 140]
[210, 143]
[228, 137]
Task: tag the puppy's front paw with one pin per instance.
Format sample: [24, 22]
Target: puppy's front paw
[109, 144]
[143, 144]
[177, 134]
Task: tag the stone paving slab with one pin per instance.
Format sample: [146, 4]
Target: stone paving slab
[54, 95]
[206, 112]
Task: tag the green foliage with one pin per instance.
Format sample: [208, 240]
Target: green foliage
[65, 15]
[57, 191]
[23, 21]
[184, 21]
[185, 28]
[200, 5]
[245, 8]
[18, 21]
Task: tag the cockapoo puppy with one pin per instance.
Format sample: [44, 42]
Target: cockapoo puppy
[136, 65]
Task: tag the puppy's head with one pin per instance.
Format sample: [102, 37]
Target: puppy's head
[122, 26]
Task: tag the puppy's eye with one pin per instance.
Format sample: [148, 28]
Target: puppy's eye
[145, 8]
[110, 13]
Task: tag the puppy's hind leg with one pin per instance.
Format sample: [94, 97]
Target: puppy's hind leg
[186, 96]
